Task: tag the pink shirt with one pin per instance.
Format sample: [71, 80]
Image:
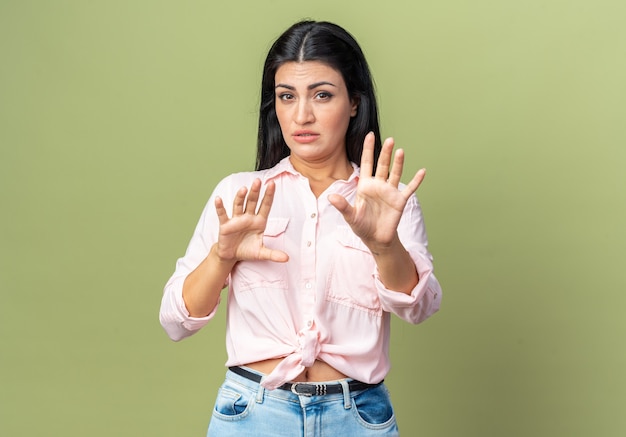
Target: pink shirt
[327, 302]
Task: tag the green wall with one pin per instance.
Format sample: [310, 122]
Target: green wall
[117, 118]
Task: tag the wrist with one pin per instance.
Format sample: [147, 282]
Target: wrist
[221, 257]
[383, 249]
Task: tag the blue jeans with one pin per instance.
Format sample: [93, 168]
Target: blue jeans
[244, 408]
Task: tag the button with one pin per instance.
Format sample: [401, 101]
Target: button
[313, 215]
[308, 244]
[308, 285]
[309, 324]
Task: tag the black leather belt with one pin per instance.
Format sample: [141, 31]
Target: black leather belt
[305, 388]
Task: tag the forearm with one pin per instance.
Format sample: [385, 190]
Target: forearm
[396, 269]
[201, 289]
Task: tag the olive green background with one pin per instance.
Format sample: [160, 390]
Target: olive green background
[117, 118]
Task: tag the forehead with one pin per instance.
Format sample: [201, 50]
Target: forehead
[307, 72]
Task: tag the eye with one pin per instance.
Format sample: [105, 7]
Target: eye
[323, 95]
[285, 97]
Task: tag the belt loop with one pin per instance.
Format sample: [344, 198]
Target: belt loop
[347, 401]
[259, 394]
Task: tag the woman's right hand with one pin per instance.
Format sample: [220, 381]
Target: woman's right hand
[241, 236]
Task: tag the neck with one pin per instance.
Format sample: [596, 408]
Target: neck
[322, 175]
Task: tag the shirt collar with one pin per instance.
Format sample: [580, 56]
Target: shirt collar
[285, 166]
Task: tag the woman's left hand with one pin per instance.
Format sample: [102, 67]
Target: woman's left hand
[379, 202]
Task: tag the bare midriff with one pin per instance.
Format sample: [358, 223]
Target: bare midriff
[318, 372]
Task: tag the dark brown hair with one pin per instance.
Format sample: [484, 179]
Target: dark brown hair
[328, 43]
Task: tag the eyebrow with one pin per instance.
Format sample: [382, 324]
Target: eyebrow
[310, 87]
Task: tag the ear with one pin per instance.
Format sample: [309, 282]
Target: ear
[355, 105]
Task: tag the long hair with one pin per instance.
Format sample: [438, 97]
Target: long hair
[328, 43]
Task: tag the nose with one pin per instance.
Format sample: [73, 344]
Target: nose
[304, 113]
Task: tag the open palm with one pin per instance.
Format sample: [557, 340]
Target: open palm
[379, 202]
[241, 236]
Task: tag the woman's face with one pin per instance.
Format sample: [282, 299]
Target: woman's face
[313, 110]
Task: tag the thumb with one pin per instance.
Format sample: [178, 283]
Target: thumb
[273, 255]
[341, 204]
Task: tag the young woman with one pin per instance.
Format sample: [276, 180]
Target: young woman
[316, 253]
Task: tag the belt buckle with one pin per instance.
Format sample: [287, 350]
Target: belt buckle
[306, 389]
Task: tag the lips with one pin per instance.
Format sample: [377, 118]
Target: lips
[305, 136]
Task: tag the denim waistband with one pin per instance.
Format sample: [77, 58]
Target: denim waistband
[321, 388]
[346, 394]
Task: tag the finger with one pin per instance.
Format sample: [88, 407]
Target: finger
[382, 169]
[253, 197]
[221, 211]
[414, 184]
[273, 255]
[396, 170]
[239, 200]
[367, 156]
[268, 199]
[342, 205]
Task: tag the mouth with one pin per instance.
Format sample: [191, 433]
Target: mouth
[305, 136]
